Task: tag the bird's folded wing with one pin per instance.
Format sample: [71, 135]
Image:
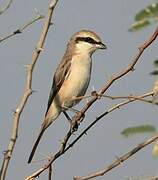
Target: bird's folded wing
[60, 75]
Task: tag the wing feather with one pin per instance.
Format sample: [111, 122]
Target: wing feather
[58, 79]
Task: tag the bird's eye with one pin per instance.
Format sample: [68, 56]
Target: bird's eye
[90, 40]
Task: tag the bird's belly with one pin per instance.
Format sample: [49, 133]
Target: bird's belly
[75, 86]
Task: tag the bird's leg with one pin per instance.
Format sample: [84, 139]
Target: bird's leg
[73, 126]
[67, 116]
[70, 109]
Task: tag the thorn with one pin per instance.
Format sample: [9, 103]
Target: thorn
[34, 91]
[86, 100]
[51, 5]
[13, 110]
[119, 159]
[17, 110]
[18, 31]
[61, 141]
[93, 89]
[94, 93]
[139, 48]
[41, 49]
[36, 11]
[133, 69]
[4, 152]
[27, 65]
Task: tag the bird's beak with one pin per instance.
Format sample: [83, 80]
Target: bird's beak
[102, 46]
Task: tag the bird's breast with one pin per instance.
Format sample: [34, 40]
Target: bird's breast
[76, 82]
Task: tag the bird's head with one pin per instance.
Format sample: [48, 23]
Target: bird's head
[86, 41]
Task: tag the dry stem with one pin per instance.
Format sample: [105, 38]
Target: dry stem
[20, 30]
[27, 91]
[6, 7]
[119, 160]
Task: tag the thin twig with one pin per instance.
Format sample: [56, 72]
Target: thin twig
[6, 7]
[50, 172]
[114, 97]
[27, 90]
[119, 160]
[63, 149]
[79, 117]
[130, 97]
[20, 30]
[117, 106]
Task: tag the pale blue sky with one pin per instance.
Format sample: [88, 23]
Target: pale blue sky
[111, 20]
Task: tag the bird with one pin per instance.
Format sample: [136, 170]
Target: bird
[71, 78]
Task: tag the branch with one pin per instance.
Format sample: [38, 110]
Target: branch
[20, 30]
[117, 106]
[94, 93]
[50, 172]
[132, 97]
[63, 147]
[119, 160]
[27, 90]
[6, 7]
[53, 158]
[79, 117]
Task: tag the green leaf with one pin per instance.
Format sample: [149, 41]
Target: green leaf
[139, 25]
[148, 12]
[137, 130]
[145, 17]
[156, 63]
[155, 72]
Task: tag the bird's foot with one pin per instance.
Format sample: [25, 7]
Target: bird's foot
[74, 126]
[76, 120]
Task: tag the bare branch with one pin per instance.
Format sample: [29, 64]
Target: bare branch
[6, 7]
[119, 160]
[50, 172]
[117, 106]
[130, 97]
[27, 91]
[114, 97]
[63, 147]
[79, 117]
[20, 30]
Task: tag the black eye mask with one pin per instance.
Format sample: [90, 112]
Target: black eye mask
[87, 39]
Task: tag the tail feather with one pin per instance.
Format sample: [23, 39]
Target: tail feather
[35, 145]
[46, 123]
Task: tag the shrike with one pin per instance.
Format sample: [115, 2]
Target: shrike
[71, 78]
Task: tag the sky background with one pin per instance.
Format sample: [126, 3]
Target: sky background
[104, 142]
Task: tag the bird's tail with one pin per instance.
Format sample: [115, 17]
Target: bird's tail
[46, 123]
[36, 144]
